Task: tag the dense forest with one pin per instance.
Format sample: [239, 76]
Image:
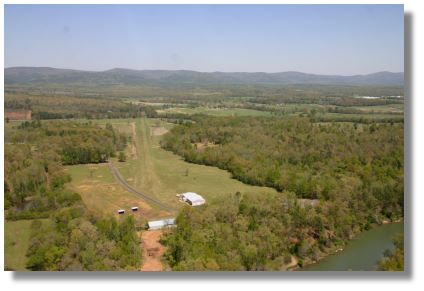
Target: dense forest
[75, 241]
[313, 160]
[35, 187]
[355, 171]
[259, 232]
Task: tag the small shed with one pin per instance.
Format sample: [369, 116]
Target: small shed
[192, 198]
[159, 224]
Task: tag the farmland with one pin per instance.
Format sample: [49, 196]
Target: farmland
[248, 154]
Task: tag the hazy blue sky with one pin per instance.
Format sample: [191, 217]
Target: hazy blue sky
[325, 39]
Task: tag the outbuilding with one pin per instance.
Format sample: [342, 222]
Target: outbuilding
[159, 224]
[192, 198]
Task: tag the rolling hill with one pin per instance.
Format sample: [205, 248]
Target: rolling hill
[46, 75]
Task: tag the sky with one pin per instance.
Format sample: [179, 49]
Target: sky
[320, 39]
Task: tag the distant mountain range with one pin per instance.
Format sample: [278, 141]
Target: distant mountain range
[46, 75]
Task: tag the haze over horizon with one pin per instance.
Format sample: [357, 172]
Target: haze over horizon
[315, 39]
[122, 68]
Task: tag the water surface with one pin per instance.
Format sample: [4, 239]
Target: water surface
[361, 253]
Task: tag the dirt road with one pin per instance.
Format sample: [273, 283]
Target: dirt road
[129, 188]
[152, 251]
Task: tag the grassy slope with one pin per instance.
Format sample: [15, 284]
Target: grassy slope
[101, 194]
[152, 170]
[16, 240]
[163, 174]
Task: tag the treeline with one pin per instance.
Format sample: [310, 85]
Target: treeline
[356, 119]
[346, 101]
[348, 110]
[67, 107]
[363, 163]
[76, 143]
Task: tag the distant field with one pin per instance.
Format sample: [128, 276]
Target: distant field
[390, 108]
[217, 111]
[16, 240]
[357, 116]
[370, 112]
[152, 170]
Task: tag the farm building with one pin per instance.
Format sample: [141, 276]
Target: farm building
[192, 198]
[159, 224]
[20, 114]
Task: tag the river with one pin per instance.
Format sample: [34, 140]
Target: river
[361, 253]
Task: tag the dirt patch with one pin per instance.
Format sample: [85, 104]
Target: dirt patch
[18, 114]
[308, 202]
[92, 167]
[159, 130]
[292, 265]
[84, 187]
[152, 251]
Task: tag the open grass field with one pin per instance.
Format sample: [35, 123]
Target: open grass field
[152, 170]
[16, 240]
[217, 111]
[103, 195]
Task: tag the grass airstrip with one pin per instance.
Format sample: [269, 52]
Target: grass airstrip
[153, 171]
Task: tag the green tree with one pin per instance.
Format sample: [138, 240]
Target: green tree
[122, 157]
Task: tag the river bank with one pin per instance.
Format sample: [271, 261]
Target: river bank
[361, 253]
